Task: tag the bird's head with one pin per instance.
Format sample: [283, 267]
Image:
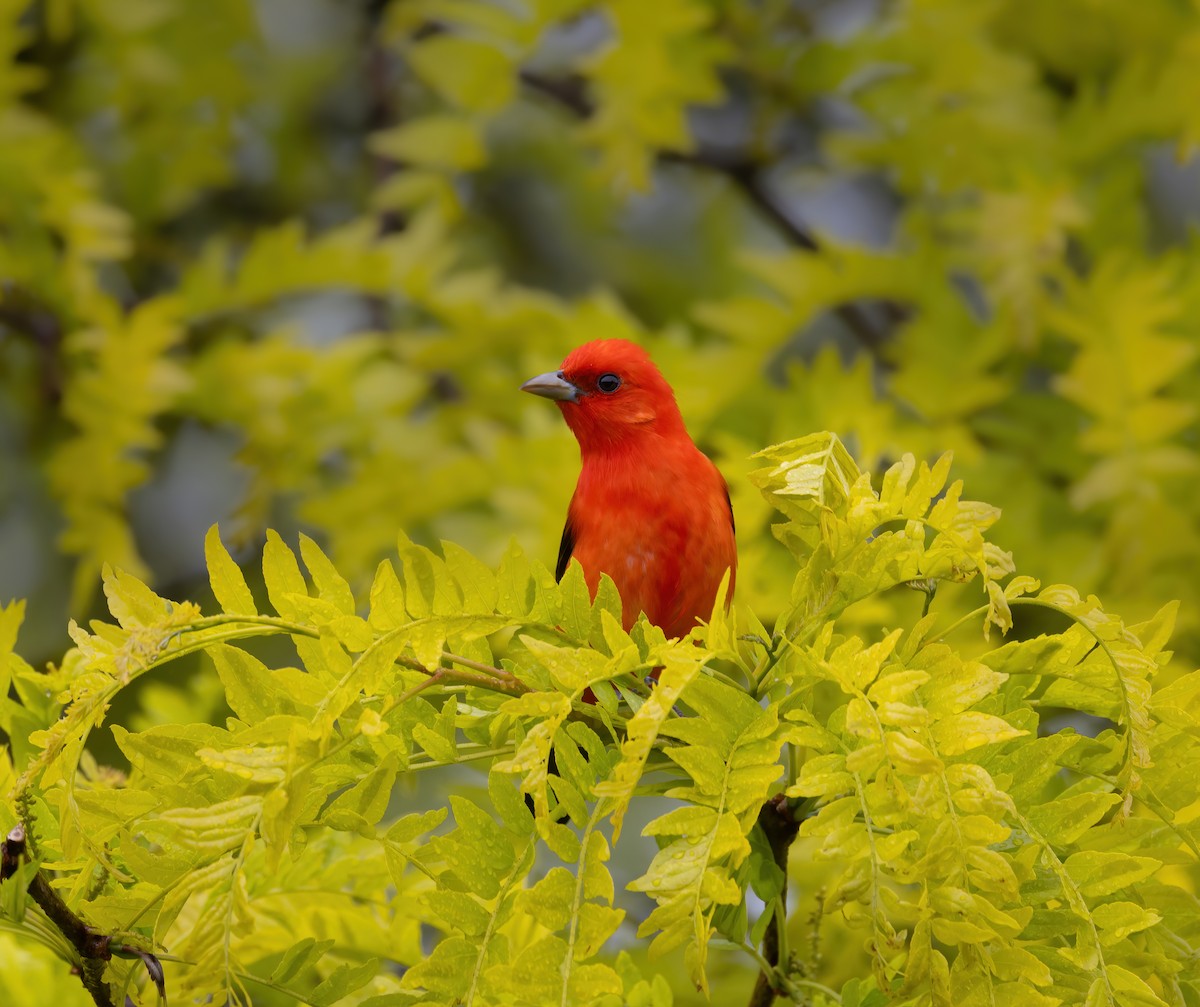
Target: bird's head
[609, 391]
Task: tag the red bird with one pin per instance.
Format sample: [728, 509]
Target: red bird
[650, 509]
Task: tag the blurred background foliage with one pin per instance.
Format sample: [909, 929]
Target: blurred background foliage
[285, 262]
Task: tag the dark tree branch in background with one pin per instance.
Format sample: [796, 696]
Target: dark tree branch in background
[381, 113]
[746, 173]
[570, 92]
[95, 949]
[21, 315]
[748, 178]
[780, 826]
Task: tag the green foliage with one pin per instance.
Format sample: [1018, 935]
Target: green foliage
[981, 859]
[151, 277]
[123, 382]
[328, 241]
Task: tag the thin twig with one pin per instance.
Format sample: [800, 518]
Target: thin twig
[486, 669]
[509, 684]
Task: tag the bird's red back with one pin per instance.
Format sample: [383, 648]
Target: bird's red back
[650, 509]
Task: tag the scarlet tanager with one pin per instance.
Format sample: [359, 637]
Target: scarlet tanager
[650, 509]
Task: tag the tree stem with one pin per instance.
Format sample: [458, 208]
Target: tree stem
[780, 826]
[93, 947]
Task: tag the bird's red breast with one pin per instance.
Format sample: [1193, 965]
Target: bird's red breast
[650, 509]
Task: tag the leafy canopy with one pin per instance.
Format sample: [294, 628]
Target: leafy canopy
[977, 858]
[481, 186]
[294, 267]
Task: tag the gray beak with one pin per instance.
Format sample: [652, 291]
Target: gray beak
[552, 385]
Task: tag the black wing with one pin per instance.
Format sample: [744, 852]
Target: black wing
[732, 523]
[565, 548]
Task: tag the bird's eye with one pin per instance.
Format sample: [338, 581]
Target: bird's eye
[608, 383]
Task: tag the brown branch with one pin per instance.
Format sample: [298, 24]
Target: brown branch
[853, 315]
[487, 677]
[780, 826]
[382, 111]
[94, 948]
[20, 314]
[745, 172]
[748, 178]
[569, 92]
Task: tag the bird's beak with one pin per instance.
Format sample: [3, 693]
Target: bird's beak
[552, 385]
